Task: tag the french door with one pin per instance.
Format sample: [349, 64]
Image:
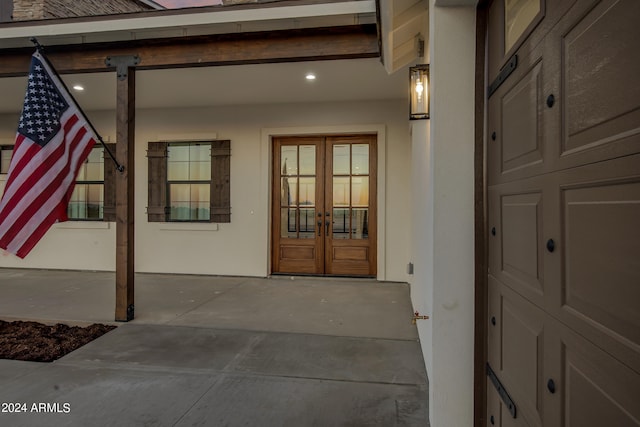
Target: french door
[324, 205]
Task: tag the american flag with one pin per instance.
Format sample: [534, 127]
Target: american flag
[53, 140]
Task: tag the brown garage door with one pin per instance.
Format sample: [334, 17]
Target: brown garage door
[563, 171]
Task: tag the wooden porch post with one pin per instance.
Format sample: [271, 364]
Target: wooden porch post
[125, 150]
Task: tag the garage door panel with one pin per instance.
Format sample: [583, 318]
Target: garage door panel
[600, 97]
[515, 140]
[521, 240]
[540, 25]
[498, 414]
[597, 389]
[602, 274]
[597, 254]
[518, 337]
[494, 331]
[516, 257]
[520, 122]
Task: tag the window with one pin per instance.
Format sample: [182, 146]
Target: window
[93, 197]
[87, 199]
[6, 151]
[189, 181]
[518, 17]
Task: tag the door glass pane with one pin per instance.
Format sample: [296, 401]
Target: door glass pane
[289, 193]
[360, 191]
[341, 191]
[360, 159]
[341, 159]
[341, 223]
[289, 160]
[307, 160]
[307, 223]
[307, 191]
[288, 222]
[360, 223]
[518, 15]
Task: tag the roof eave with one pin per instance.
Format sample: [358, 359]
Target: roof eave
[189, 22]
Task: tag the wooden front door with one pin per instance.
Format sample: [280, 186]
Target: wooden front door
[563, 174]
[324, 205]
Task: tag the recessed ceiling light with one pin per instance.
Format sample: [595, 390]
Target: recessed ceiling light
[310, 76]
[79, 88]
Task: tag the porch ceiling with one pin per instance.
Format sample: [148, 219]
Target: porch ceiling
[339, 80]
[345, 79]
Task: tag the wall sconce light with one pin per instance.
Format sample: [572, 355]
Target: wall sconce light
[419, 96]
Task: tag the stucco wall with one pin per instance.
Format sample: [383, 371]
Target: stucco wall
[241, 247]
[442, 151]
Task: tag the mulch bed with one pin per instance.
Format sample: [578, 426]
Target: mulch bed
[37, 342]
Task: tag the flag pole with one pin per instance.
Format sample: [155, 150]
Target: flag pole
[40, 49]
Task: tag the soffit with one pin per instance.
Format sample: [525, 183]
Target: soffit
[404, 25]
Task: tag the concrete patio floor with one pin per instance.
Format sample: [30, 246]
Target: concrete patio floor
[219, 351]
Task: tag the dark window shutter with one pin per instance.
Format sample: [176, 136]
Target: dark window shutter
[109, 212]
[220, 181]
[157, 202]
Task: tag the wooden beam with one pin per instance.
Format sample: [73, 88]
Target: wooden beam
[358, 41]
[125, 134]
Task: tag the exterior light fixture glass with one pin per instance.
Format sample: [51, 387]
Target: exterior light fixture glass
[419, 96]
[79, 88]
[310, 76]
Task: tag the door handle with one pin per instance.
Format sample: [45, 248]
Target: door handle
[319, 228]
[327, 223]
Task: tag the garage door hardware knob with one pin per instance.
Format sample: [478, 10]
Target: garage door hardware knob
[493, 231]
[417, 316]
[493, 320]
[493, 421]
[551, 245]
[551, 100]
[551, 386]
[493, 136]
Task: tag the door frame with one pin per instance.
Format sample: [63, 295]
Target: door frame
[266, 196]
[481, 300]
